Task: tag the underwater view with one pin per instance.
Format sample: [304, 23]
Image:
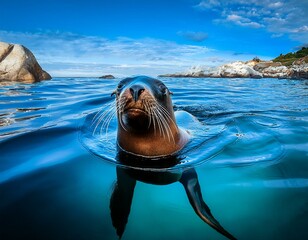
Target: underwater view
[242, 175]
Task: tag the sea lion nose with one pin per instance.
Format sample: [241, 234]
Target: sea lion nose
[136, 91]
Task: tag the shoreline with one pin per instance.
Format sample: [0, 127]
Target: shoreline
[251, 69]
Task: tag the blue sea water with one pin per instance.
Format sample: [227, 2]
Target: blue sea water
[249, 152]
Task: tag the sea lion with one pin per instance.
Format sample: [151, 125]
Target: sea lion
[146, 121]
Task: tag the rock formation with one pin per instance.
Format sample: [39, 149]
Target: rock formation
[300, 68]
[109, 76]
[250, 69]
[18, 64]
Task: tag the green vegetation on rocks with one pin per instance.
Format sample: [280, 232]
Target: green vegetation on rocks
[289, 58]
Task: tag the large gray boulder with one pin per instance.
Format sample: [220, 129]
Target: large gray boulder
[18, 64]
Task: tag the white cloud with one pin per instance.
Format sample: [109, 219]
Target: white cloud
[277, 17]
[210, 4]
[234, 17]
[68, 54]
[71, 55]
[301, 29]
[241, 21]
[275, 5]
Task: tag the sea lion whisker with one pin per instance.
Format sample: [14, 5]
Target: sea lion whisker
[162, 132]
[150, 104]
[108, 111]
[159, 121]
[165, 111]
[158, 117]
[165, 117]
[121, 102]
[167, 114]
[166, 125]
[106, 108]
[103, 118]
[154, 124]
[98, 115]
[108, 118]
[107, 123]
[155, 119]
[151, 107]
[168, 129]
[147, 109]
[120, 109]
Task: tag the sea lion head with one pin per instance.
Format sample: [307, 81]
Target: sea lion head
[146, 120]
[143, 105]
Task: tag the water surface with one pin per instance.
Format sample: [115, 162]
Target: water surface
[249, 152]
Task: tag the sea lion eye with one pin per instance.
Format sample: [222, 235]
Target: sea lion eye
[162, 88]
[118, 90]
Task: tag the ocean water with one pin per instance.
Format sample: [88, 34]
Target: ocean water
[247, 162]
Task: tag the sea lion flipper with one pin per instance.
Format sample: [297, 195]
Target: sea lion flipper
[190, 182]
[121, 200]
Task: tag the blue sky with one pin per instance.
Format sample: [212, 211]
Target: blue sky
[129, 37]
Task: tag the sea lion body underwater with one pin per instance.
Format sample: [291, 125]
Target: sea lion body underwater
[146, 121]
[122, 195]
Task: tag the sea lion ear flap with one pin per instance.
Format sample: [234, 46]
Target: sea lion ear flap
[168, 91]
[113, 93]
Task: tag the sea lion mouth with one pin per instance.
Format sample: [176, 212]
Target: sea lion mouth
[135, 118]
[135, 111]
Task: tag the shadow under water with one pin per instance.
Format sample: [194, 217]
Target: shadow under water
[122, 195]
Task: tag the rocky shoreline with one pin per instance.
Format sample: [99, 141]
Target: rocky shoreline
[249, 69]
[18, 64]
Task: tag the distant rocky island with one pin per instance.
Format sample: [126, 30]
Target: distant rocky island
[290, 66]
[109, 76]
[18, 64]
